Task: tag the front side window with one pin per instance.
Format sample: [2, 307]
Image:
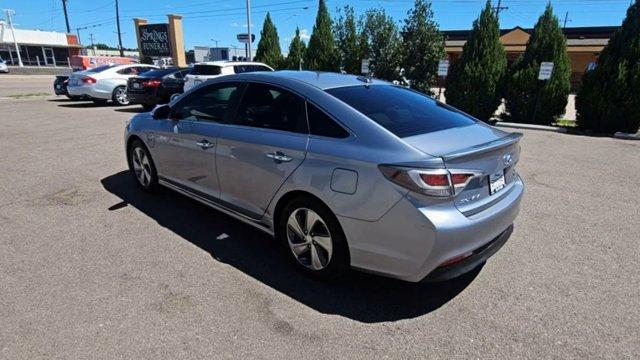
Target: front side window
[401, 111]
[269, 107]
[210, 103]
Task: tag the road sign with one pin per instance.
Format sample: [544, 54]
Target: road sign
[443, 67]
[364, 67]
[244, 37]
[546, 69]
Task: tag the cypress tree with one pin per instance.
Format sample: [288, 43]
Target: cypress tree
[528, 99]
[380, 43]
[297, 50]
[608, 100]
[474, 80]
[348, 41]
[268, 50]
[422, 47]
[321, 53]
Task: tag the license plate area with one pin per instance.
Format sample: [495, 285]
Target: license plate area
[136, 85]
[496, 182]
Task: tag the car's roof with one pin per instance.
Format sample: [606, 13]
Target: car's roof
[319, 79]
[224, 63]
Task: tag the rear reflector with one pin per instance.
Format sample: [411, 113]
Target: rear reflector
[456, 259]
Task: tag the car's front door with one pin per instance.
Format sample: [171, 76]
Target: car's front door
[186, 147]
[265, 143]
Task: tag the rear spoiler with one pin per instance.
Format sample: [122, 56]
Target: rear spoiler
[483, 148]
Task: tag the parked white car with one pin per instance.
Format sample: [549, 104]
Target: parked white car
[212, 69]
[3, 66]
[106, 82]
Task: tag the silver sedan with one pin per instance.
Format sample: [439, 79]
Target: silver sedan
[345, 171]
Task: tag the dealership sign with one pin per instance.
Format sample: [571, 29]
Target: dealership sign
[154, 40]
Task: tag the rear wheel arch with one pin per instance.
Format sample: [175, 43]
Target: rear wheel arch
[297, 194]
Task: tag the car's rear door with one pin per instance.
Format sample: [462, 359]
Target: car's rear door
[265, 143]
[186, 145]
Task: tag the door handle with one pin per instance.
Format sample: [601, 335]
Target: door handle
[204, 144]
[279, 157]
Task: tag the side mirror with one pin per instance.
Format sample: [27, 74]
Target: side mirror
[162, 112]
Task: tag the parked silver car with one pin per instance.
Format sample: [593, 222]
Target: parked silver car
[345, 171]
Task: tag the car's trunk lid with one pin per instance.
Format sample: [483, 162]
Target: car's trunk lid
[476, 148]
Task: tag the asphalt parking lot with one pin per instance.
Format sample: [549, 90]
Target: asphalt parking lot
[91, 267]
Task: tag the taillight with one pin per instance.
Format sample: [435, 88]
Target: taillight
[432, 182]
[89, 80]
[152, 83]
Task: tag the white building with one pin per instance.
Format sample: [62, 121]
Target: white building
[37, 48]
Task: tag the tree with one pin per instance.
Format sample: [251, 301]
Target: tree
[422, 47]
[528, 99]
[268, 50]
[349, 41]
[381, 44]
[474, 80]
[321, 53]
[608, 100]
[297, 50]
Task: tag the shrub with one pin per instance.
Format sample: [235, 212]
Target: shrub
[608, 100]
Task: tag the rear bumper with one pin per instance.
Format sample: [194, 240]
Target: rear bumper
[479, 256]
[88, 91]
[143, 98]
[410, 242]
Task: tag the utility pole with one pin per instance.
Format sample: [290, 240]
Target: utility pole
[92, 45]
[216, 41]
[66, 16]
[566, 20]
[10, 13]
[499, 8]
[119, 34]
[249, 54]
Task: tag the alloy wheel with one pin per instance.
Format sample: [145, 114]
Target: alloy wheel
[141, 166]
[121, 96]
[309, 239]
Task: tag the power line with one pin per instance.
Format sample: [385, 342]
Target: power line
[499, 8]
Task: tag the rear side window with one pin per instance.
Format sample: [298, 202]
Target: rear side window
[401, 111]
[100, 68]
[206, 70]
[322, 125]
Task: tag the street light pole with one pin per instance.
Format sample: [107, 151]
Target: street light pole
[10, 13]
[119, 33]
[249, 54]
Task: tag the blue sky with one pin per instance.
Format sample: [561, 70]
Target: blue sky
[222, 19]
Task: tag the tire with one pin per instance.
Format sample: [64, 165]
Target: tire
[324, 259]
[119, 96]
[142, 167]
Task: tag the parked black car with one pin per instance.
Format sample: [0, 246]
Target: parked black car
[156, 86]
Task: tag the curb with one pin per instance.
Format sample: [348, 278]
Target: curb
[530, 127]
[625, 136]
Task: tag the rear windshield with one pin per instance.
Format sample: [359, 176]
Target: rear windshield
[101, 68]
[401, 111]
[159, 72]
[206, 70]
